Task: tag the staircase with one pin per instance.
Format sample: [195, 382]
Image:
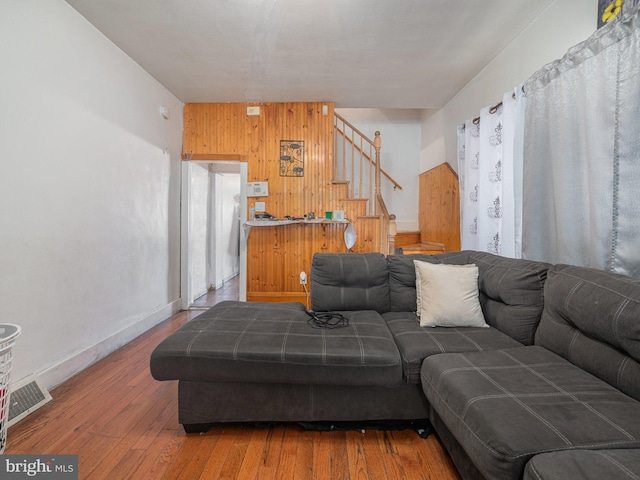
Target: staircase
[411, 242]
[358, 177]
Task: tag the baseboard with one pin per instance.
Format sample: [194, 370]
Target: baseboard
[74, 364]
[277, 297]
[199, 294]
[233, 275]
[225, 280]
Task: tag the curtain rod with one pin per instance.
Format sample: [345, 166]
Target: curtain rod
[495, 108]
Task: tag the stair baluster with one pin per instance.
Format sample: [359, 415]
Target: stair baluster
[357, 163]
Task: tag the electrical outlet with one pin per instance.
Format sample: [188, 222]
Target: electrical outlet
[303, 278]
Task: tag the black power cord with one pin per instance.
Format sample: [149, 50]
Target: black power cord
[327, 320]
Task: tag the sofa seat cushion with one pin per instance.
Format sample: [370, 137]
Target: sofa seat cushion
[505, 406]
[273, 343]
[416, 343]
[621, 464]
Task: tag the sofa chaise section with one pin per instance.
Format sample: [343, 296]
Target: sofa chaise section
[274, 343]
[576, 388]
[264, 362]
[505, 406]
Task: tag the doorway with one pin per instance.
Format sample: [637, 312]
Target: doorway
[214, 205]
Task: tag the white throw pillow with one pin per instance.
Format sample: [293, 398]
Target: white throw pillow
[418, 293]
[447, 295]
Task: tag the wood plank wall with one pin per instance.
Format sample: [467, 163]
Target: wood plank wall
[277, 255]
[439, 207]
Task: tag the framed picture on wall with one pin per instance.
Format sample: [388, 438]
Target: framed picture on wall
[292, 158]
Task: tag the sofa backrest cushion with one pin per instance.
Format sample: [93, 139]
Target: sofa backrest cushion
[402, 276]
[511, 290]
[592, 318]
[349, 281]
[511, 294]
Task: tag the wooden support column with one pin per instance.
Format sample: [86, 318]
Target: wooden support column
[377, 144]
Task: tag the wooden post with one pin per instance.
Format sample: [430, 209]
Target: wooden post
[377, 143]
[393, 231]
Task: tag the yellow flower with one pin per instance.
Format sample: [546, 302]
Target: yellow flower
[612, 10]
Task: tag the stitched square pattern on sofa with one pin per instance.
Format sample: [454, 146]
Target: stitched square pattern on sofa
[505, 406]
[273, 343]
[358, 281]
[585, 464]
[511, 290]
[416, 343]
[592, 318]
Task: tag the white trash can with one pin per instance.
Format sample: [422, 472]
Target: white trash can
[8, 335]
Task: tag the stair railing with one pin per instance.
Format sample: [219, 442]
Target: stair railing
[357, 161]
[388, 228]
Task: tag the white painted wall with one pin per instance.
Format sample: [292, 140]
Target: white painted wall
[199, 227]
[400, 131]
[89, 191]
[562, 25]
[226, 227]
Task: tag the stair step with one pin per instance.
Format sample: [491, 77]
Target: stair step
[407, 238]
[428, 248]
[353, 199]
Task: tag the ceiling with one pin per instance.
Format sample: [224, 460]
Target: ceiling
[356, 53]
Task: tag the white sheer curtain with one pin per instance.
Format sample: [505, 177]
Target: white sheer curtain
[489, 162]
[582, 153]
[468, 153]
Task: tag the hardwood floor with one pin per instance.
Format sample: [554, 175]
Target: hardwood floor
[228, 291]
[123, 424]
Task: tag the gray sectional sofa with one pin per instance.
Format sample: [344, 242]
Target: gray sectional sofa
[551, 387]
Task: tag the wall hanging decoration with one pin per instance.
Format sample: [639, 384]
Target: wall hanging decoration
[292, 158]
[608, 10]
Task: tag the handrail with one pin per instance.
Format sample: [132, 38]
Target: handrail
[383, 206]
[368, 157]
[388, 228]
[364, 154]
[344, 120]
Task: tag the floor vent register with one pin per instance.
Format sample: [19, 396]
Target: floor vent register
[26, 397]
